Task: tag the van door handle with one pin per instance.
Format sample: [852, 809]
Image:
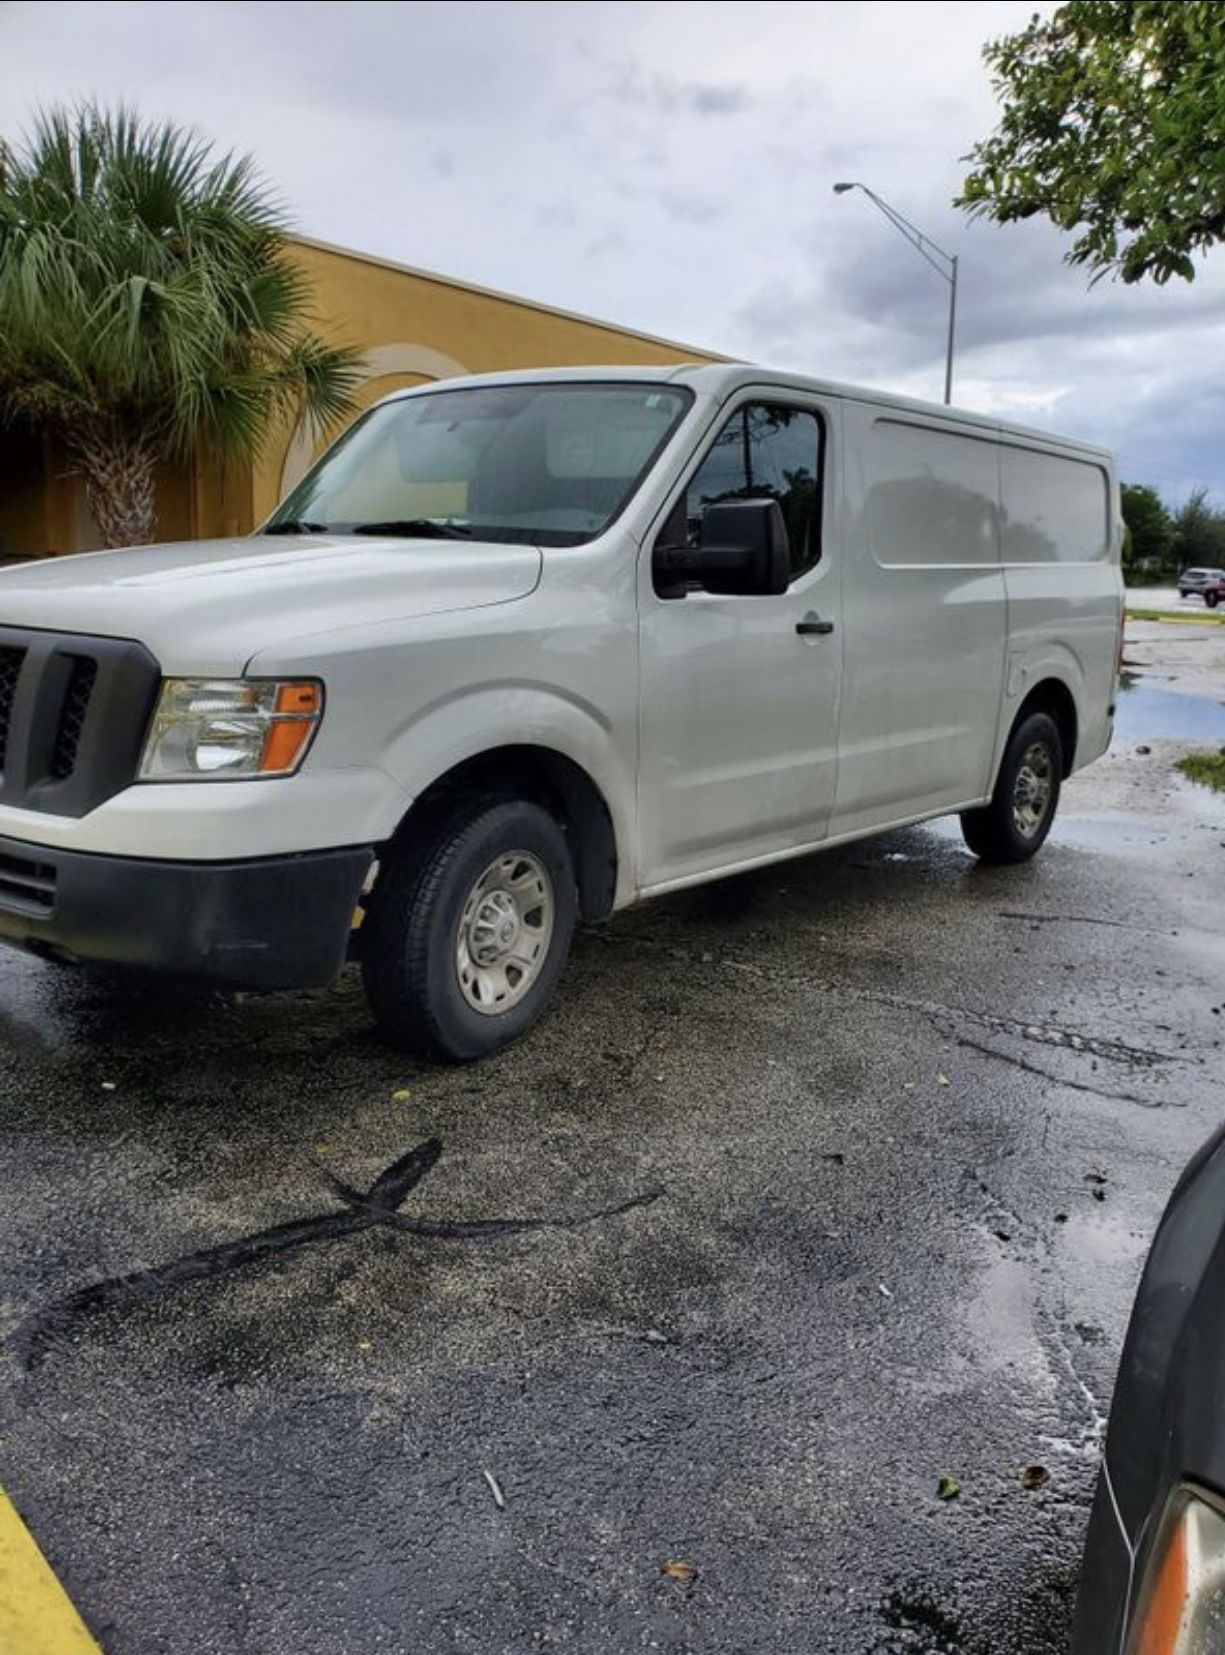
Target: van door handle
[813, 624]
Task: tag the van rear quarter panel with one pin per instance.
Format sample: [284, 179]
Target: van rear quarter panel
[1061, 542]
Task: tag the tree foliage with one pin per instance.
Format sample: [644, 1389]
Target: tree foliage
[1199, 532]
[1113, 127]
[1150, 528]
[147, 301]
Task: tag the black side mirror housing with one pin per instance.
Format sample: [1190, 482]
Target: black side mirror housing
[743, 551]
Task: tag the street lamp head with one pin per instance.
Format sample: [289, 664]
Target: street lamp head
[841, 189]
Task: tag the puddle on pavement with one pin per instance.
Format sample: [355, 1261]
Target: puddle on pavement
[1100, 1238]
[1145, 714]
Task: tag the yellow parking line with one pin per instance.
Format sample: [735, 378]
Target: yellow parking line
[1175, 616]
[36, 1616]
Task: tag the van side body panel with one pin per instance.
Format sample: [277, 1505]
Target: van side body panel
[926, 621]
[738, 710]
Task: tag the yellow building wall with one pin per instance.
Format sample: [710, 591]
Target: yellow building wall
[412, 327]
[415, 326]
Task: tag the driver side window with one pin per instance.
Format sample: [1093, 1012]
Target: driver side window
[766, 451]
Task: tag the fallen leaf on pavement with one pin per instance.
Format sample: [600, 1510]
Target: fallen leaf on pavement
[948, 1488]
[1035, 1476]
[676, 1570]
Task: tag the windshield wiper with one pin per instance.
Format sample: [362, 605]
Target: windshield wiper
[296, 525]
[425, 528]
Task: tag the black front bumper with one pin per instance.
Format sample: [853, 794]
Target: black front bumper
[273, 922]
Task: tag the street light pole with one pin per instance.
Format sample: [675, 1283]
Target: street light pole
[948, 355]
[932, 252]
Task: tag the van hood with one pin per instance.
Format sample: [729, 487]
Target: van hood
[207, 606]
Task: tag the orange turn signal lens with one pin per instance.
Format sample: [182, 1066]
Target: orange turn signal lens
[290, 726]
[1167, 1599]
[298, 698]
[1181, 1605]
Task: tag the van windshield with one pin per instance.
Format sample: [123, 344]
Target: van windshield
[544, 464]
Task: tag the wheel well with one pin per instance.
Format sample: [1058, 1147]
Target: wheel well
[1052, 696]
[548, 779]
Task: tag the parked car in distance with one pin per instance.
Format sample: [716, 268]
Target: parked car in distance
[1153, 1581]
[525, 649]
[1192, 582]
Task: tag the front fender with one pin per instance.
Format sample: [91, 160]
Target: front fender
[468, 723]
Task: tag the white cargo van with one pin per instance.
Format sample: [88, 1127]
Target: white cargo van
[525, 649]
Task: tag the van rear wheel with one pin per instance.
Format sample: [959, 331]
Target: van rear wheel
[468, 933]
[1016, 822]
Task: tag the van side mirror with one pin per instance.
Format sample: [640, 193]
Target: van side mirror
[742, 551]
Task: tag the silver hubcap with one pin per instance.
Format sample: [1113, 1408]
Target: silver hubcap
[1031, 792]
[504, 932]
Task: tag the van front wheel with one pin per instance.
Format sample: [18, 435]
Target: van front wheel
[1016, 822]
[468, 933]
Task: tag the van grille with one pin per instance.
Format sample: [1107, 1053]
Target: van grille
[10, 667]
[72, 716]
[73, 713]
[26, 884]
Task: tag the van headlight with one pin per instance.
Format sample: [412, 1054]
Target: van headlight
[1181, 1605]
[217, 729]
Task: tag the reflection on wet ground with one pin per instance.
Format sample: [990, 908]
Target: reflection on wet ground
[1145, 714]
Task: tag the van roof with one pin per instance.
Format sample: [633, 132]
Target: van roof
[717, 379]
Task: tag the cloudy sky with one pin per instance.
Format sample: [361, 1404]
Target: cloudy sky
[669, 166]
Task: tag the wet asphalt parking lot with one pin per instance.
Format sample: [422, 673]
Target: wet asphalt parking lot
[848, 1169]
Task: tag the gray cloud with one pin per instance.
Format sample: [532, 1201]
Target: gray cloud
[670, 166]
[717, 100]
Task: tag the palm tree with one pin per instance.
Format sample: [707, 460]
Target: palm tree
[147, 303]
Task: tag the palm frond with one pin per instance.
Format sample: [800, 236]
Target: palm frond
[145, 287]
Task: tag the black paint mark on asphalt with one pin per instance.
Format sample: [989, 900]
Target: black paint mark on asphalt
[362, 1210]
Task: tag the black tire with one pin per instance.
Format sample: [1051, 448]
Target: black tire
[1212, 599]
[1183, 594]
[994, 832]
[411, 933]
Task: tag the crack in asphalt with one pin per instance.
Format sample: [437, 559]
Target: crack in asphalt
[1044, 1034]
[1078, 919]
[1030, 1068]
[362, 1210]
[1047, 1034]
